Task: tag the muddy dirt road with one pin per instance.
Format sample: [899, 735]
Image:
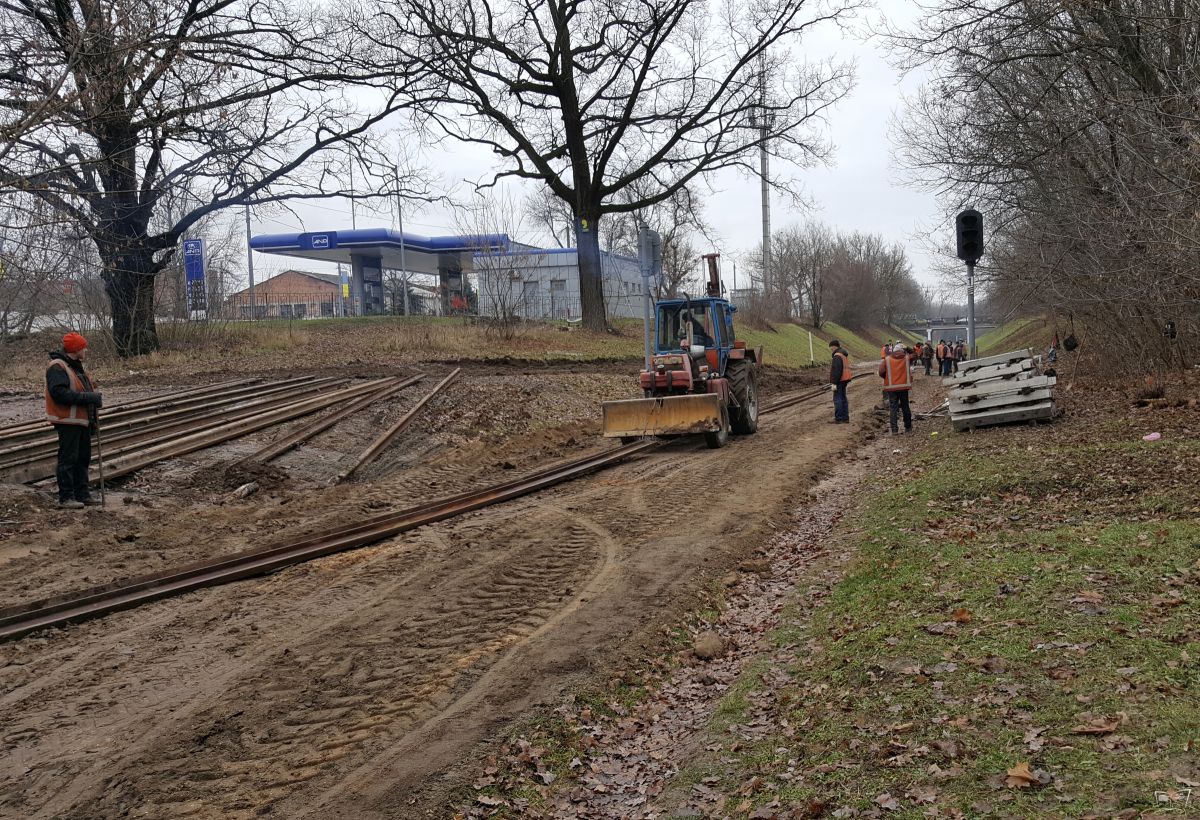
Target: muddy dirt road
[354, 685]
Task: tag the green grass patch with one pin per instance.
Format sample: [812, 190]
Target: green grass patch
[1029, 598]
[1026, 331]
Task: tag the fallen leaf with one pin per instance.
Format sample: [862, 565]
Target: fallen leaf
[921, 794]
[887, 802]
[1097, 726]
[1020, 777]
[962, 615]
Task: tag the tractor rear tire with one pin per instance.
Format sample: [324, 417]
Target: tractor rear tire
[720, 438]
[743, 385]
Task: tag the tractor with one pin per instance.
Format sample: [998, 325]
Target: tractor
[702, 379]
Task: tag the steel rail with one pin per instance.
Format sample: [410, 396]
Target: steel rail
[82, 605]
[227, 430]
[38, 425]
[377, 446]
[39, 466]
[47, 443]
[290, 442]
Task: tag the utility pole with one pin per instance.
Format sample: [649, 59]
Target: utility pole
[765, 174]
[353, 220]
[650, 263]
[250, 262]
[400, 222]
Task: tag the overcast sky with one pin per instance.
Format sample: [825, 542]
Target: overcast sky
[861, 189]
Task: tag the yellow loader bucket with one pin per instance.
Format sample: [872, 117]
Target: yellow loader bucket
[664, 416]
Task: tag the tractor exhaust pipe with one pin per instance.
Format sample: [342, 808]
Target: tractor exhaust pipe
[714, 275]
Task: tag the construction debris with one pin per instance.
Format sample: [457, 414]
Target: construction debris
[1000, 389]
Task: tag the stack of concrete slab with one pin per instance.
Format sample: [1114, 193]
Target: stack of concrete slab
[998, 390]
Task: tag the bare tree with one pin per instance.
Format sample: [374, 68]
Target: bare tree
[109, 107]
[40, 258]
[593, 98]
[1073, 127]
[804, 257]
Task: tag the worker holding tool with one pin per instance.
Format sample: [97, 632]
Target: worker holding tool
[71, 404]
[927, 356]
[839, 377]
[897, 382]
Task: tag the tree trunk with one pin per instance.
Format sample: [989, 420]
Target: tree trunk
[129, 285]
[591, 281]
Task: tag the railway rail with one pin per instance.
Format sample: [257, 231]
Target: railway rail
[82, 605]
[137, 438]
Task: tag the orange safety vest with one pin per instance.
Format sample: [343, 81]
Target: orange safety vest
[896, 375]
[941, 351]
[846, 374]
[67, 413]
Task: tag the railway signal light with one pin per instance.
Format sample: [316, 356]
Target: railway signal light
[969, 233]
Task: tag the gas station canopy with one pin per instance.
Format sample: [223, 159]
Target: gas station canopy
[370, 251]
[422, 254]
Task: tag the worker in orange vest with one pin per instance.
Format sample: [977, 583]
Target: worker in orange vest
[839, 377]
[897, 382]
[71, 403]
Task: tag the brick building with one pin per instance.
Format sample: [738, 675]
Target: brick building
[292, 294]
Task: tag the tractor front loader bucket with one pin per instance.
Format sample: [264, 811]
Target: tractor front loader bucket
[690, 414]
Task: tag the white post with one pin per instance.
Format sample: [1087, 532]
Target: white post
[811, 358]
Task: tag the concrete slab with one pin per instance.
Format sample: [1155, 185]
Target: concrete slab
[1006, 415]
[990, 372]
[1010, 384]
[960, 408]
[999, 358]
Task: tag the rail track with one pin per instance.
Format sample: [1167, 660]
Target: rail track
[137, 436]
[90, 603]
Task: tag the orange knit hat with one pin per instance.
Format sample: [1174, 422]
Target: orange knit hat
[73, 342]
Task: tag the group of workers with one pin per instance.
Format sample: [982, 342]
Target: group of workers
[896, 362]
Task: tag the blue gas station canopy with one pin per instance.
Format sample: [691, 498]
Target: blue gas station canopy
[422, 254]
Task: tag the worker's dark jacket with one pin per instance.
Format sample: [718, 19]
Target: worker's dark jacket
[58, 382]
[837, 365]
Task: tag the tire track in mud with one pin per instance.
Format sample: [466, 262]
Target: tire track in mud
[389, 666]
[361, 780]
[69, 722]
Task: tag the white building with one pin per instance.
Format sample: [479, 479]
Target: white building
[538, 283]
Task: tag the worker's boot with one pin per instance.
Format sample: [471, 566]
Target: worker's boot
[70, 504]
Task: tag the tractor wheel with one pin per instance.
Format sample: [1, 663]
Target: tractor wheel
[720, 438]
[742, 384]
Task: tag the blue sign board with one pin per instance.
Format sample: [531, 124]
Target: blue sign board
[193, 274]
